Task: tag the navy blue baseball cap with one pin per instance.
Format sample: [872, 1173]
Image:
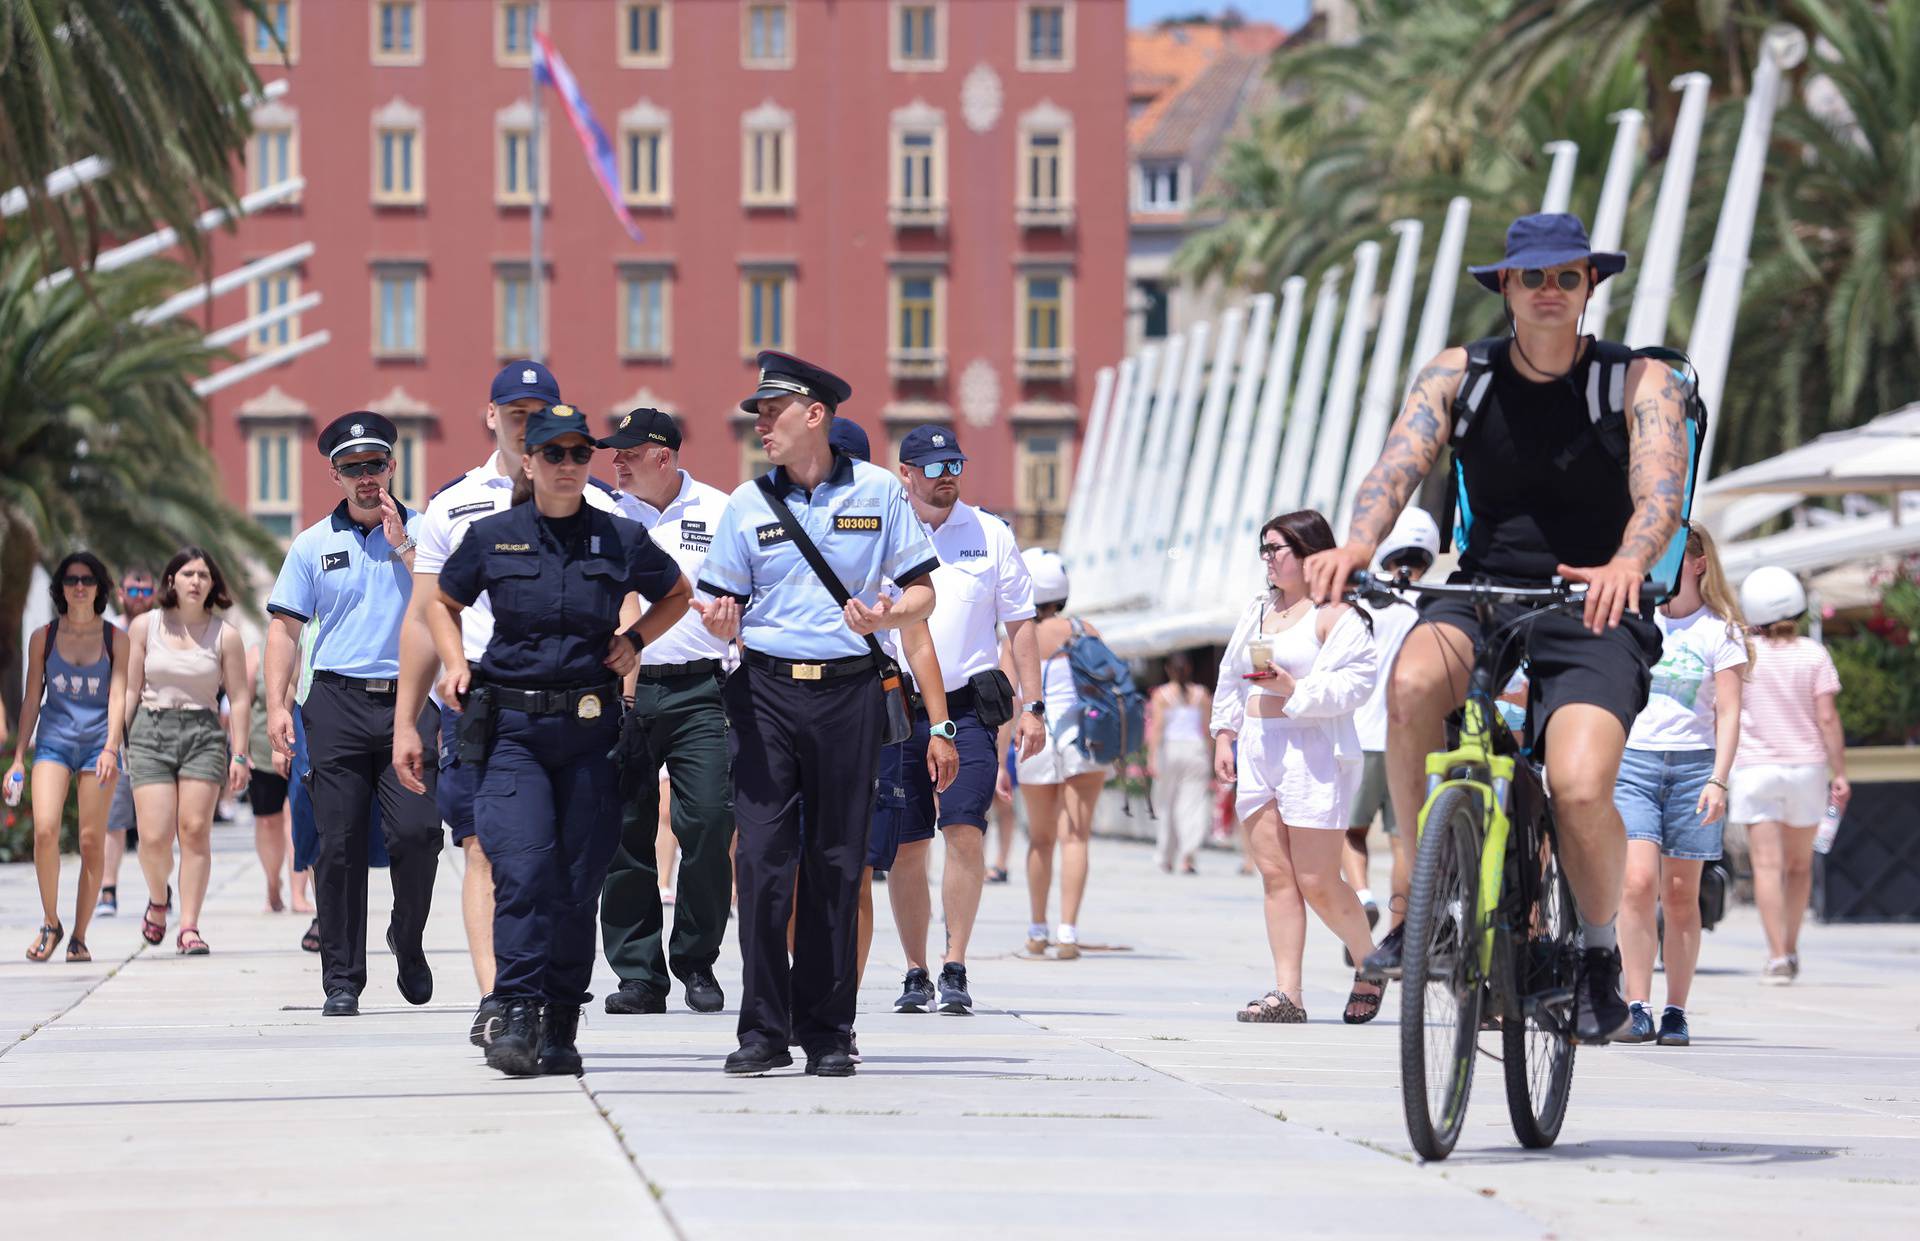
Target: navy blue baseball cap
[360, 431]
[554, 421]
[1550, 239]
[644, 426]
[522, 379]
[782, 374]
[926, 445]
[849, 437]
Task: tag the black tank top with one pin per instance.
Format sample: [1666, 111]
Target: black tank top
[1528, 513]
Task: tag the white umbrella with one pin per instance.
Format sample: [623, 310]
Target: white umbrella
[1883, 455]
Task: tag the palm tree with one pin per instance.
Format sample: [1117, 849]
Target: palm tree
[100, 435]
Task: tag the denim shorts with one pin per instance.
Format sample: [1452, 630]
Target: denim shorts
[1658, 793]
[76, 754]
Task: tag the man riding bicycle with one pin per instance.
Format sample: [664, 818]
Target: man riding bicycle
[1546, 498]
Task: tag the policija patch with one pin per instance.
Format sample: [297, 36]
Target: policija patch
[870, 525]
[771, 533]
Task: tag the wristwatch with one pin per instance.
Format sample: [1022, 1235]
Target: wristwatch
[1037, 707]
[945, 729]
[405, 545]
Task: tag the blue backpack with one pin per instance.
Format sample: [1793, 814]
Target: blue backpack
[1110, 712]
[1606, 410]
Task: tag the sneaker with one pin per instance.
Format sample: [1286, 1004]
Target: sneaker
[635, 997]
[486, 1020]
[1641, 1031]
[1384, 960]
[1793, 965]
[1599, 1014]
[916, 993]
[1779, 972]
[109, 903]
[1673, 1028]
[996, 874]
[954, 998]
[515, 1049]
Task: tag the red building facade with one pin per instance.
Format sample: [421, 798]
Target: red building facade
[927, 197]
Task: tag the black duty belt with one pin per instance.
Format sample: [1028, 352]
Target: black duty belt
[588, 702]
[958, 700]
[824, 670]
[666, 672]
[367, 685]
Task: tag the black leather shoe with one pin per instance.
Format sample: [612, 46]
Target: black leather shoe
[1384, 961]
[1599, 1014]
[415, 978]
[702, 991]
[515, 1049]
[559, 1024]
[830, 1064]
[757, 1059]
[486, 1020]
[632, 997]
[341, 1004]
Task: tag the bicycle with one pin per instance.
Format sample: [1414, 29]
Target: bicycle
[1490, 925]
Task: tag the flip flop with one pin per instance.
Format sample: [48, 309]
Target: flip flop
[51, 933]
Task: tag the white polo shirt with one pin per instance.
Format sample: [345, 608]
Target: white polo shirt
[981, 583]
[684, 530]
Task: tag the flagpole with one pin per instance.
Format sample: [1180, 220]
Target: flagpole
[537, 268]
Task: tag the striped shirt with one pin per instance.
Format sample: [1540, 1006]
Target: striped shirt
[1777, 720]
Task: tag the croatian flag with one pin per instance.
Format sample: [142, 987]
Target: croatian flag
[548, 67]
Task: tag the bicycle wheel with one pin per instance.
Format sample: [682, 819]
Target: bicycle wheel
[1442, 982]
[1538, 1050]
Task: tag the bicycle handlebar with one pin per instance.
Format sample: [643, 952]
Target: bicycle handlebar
[1384, 591]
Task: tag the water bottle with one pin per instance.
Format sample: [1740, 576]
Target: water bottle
[16, 783]
[1828, 829]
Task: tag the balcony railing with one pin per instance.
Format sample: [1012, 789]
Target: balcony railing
[1043, 363]
[917, 213]
[1052, 213]
[917, 363]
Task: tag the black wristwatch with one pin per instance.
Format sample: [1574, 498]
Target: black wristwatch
[1037, 707]
[633, 636]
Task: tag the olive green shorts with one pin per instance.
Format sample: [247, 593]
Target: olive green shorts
[164, 746]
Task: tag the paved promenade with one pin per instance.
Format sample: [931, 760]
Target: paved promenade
[154, 1096]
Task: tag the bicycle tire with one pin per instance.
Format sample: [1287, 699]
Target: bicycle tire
[1537, 1051]
[1441, 953]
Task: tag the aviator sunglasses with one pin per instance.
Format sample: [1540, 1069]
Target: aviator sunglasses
[1569, 279]
[554, 454]
[938, 468]
[362, 469]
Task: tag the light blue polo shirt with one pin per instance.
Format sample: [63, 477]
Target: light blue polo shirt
[862, 523]
[348, 581]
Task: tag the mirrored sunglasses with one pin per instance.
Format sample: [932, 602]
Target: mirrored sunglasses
[139, 592]
[937, 469]
[1568, 279]
[554, 454]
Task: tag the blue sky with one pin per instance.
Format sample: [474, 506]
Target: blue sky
[1287, 13]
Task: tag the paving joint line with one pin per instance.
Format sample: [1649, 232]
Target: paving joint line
[654, 1190]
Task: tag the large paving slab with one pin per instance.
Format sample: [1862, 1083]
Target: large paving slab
[1111, 1096]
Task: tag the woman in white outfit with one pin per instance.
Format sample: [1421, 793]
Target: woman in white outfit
[1180, 764]
[1060, 785]
[1289, 683]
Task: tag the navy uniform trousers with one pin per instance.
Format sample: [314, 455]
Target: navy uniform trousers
[546, 807]
[805, 755]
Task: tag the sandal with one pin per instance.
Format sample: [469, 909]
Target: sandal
[1369, 1005]
[77, 952]
[189, 944]
[151, 930]
[51, 933]
[311, 940]
[1281, 1009]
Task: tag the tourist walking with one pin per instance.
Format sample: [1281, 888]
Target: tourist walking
[136, 600]
[1179, 760]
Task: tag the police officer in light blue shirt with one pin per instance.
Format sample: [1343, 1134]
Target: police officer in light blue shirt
[807, 709]
[351, 574]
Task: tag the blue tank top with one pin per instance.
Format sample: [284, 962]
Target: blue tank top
[75, 707]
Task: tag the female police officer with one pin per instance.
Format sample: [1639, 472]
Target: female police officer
[541, 719]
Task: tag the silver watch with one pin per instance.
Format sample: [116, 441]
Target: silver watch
[405, 545]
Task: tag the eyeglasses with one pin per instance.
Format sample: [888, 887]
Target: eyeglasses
[364, 469]
[1568, 279]
[937, 468]
[139, 592]
[78, 579]
[1269, 550]
[554, 454]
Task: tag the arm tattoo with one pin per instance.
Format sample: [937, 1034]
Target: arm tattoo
[1656, 476]
[1412, 447]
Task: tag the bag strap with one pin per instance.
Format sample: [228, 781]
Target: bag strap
[814, 559]
[1474, 382]
[46, 656]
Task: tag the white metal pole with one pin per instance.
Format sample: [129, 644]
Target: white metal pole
[1336, 420]
[1376, 404]
[1303, 424]
[1119, 485]
[1147, 517]
[1712, 341]
[1230, 462]
[166, 238]
[285, 310]
[1257, 480]
[1084, 469]
[1566, 156]
[1198, 477]
[1436, 316]
[1610, 217]
[1653, 293]
[187, 299]
[259, 362]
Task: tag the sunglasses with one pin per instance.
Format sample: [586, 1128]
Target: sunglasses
[139, 592]
[364, 469]
[1569, 279]
[937, 469]
[78, 579]
[554, 454]
[1269, 550]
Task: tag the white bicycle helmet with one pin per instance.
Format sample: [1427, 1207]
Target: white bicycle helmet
[1772, 594]
[1049, 574]
[1415, 531]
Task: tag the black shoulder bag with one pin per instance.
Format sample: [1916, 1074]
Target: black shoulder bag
[899, 716]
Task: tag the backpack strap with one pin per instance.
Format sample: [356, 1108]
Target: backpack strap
[46, 656]
[1474, 383]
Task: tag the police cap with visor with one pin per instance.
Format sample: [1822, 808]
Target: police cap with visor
[360, 431]
[550, 422]
[782, 374]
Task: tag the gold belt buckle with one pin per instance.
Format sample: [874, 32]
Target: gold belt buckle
[806, 672]
[588, 708]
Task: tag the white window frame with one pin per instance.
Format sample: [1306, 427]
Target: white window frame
[414, 54]
[630, 59]
[1024, 59]
[1150, 173]
[400, 117]
[502, 55]
[1039, 361]
[905, 208]
[270, 55]
[628, 275]
[749, 277]
[505, 276]
[768, 122]
[1045, 119]
[283, 332]
[517, 119]
[782, 58]
[642, 119]
[916, 361]
[897, 58]
[383, 271]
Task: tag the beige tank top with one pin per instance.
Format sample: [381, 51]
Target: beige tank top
[182, 679]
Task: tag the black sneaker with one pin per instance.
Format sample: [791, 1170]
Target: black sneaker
[702, 992]
[916, 993]
[515, 1049]
[633, 997]
[559, 1025]
[486, 1021]
[1641, 1031]
[1673, 1028]
[953, 990]
[1599, 1014]
[1384, 960]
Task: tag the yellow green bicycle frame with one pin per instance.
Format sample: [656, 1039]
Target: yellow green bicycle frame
[1476, 750]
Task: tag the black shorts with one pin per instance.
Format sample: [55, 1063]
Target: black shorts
[266, 792]
[1565, 661]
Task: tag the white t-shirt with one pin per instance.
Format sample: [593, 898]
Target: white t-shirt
[1391, 625]
[1679, 711]
[981, 582]
[684, 530]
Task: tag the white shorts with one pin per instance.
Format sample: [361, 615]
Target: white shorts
[1291, 763]
[1790, 793]
[1059, 761]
